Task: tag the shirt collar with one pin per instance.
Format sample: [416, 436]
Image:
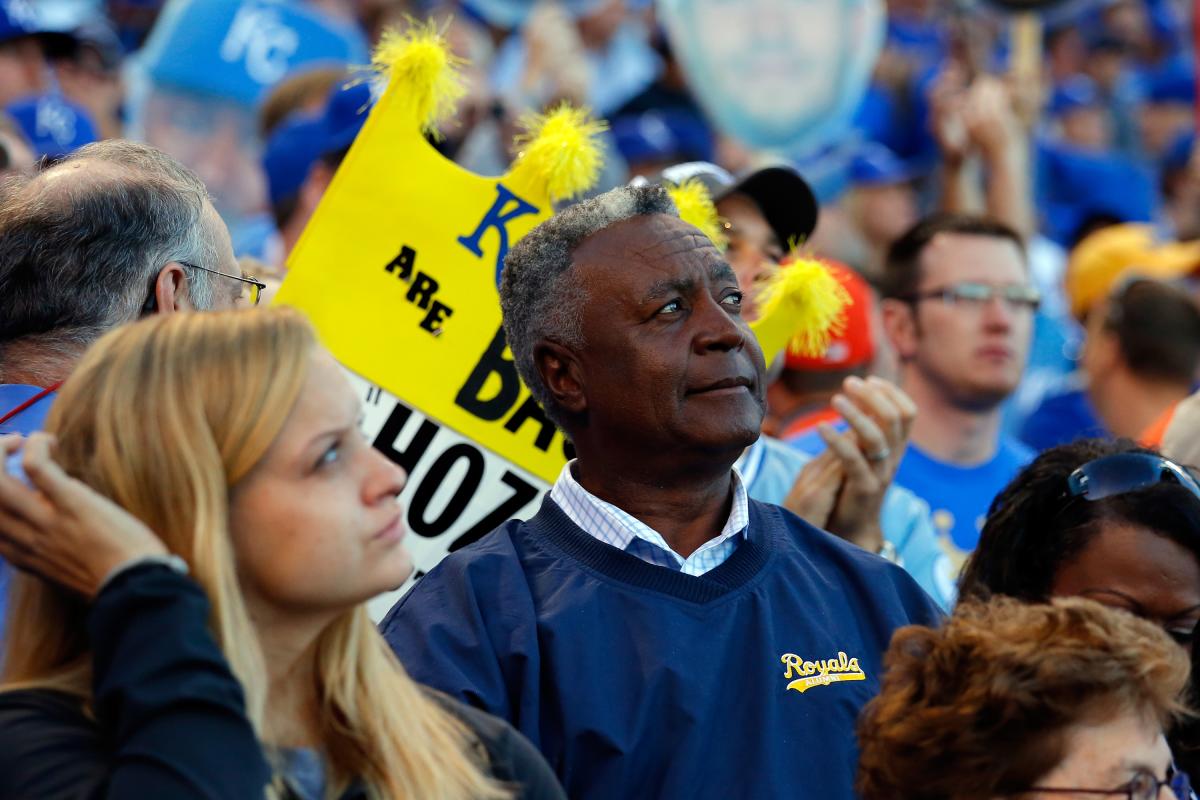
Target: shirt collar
[617, 527]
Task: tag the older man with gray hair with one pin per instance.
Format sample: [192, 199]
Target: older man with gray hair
[115, 231]
[653, 630]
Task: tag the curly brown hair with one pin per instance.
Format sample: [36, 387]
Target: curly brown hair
[978, 707]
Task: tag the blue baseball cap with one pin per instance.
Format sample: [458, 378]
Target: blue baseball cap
[876, 165]
[18, 18]
[296, 145]
[345, 113]
[667, 136]
[1179, 153]
[1076, 92]
[1173, 82]
[53, 125]
[238, 49]
[289, 154]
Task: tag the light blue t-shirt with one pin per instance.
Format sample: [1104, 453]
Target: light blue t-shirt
[769, 468]
[30, 420]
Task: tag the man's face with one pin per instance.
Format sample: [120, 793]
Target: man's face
[227, 292]
[771, 57]
[22, 69]
[754, 250]
[972, 353]
[668, 363]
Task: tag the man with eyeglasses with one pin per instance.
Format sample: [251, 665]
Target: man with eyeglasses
[115, 231]
[958, 308]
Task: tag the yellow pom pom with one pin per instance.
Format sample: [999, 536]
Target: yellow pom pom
[803, 305]
[696, 208]
[421, 73]
[561, 150]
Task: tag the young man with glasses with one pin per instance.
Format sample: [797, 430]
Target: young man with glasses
[958, 308]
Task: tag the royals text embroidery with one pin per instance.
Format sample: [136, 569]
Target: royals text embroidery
[820, 673]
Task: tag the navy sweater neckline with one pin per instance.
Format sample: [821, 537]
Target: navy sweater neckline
[552, 524]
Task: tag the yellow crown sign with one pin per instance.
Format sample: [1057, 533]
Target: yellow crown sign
[400, 265]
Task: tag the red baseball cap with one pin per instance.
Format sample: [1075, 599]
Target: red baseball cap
[853, 344]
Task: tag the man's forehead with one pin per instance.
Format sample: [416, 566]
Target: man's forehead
[962, 255]
[647, 244]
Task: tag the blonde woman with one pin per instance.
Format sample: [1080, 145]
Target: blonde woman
[234, 438]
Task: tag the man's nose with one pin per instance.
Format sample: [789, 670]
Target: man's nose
[998, 313]
[716, 328]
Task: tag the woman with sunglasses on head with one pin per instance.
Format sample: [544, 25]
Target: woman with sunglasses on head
[1101, 519]
[1067, 699]
[144, 664]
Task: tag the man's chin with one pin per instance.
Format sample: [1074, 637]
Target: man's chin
[984, 396]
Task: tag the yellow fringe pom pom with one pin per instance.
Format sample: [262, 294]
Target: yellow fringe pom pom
[421, 73]
[803, 306]
[561, 150]
[696, 208]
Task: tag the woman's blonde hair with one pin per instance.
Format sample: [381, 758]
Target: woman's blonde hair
[165, 417]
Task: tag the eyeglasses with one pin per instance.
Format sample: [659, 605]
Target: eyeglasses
[1127, 472]
[976, 295]
[1143, 786]
[255, 285]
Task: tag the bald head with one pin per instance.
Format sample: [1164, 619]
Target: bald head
[82, 241]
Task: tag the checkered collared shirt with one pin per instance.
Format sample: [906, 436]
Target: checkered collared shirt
[613, 526]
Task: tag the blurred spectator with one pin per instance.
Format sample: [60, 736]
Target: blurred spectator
[1141, 357]
[1180, 187]
[1097, 265]
[1079, 115]
[23, 67]
[53, 125]
[16, 154]
[199, 78]
[1079, 191]
[87, 64]
[800, 397]
[303, 154]
[959, 310]
[1170, 107]
[881, 203]
[305, 92]
[1007, 700]
[133, 19]
[1109, 67]
[651, 141]
[591, 51]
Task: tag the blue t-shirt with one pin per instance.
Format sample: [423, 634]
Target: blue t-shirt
[959, 497]
[636, 680]
[1063, 416]
[28, 421]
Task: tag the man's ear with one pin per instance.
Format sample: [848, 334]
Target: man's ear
[560, 371]
[171, 290]
[900, 327]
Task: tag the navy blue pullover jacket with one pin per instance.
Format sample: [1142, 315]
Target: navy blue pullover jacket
[639, 681]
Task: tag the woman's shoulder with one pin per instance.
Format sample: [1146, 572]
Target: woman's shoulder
[49, 747]
[512, 758]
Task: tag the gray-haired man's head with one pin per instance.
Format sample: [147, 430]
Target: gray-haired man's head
[625, 323]
[89, 243]
[540, 300]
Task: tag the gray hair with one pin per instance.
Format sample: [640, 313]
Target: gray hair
[540, 298]
[82, 241]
